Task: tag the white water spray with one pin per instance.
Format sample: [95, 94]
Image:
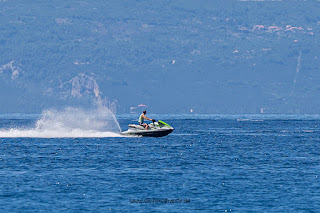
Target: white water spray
[71, 122]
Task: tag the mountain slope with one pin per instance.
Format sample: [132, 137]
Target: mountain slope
[213, 57]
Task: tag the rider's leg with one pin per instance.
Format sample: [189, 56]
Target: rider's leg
[145, 126]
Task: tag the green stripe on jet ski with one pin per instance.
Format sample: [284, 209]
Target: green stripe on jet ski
[160, 121]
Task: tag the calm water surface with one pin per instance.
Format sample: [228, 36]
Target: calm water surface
[212, 163]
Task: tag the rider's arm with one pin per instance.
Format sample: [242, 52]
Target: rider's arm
[145, 117]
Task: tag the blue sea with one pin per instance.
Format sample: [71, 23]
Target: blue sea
[210, 163]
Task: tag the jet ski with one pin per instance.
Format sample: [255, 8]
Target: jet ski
[155, 129]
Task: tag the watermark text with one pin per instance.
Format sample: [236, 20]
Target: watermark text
[160, 200]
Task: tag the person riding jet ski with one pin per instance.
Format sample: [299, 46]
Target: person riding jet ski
[142, 117]
[154, 129]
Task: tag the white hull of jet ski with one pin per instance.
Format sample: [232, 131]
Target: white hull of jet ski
[155, 129]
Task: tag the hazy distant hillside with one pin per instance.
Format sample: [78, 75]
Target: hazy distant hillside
[211, 56]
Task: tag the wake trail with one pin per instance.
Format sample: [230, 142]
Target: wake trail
[33, 133]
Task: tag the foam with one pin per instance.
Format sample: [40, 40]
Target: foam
[77, 133]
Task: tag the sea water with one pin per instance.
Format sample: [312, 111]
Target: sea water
[213, 163]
